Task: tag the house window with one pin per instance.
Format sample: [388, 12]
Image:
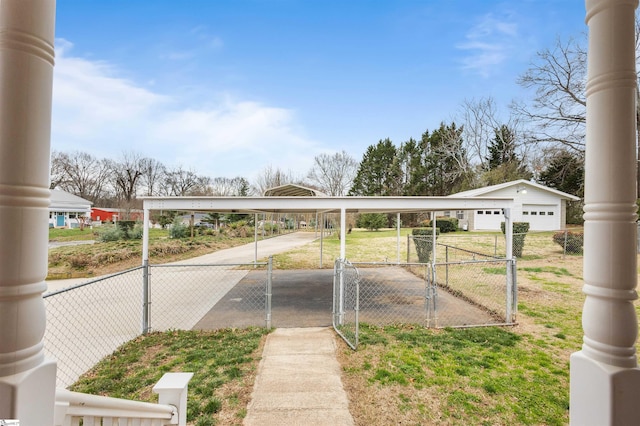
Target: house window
[460, 214]
[447, 214]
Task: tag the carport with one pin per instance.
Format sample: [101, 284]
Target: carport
[322, 205]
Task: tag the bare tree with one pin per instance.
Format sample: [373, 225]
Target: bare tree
[229, 187]
[180, 182]
[58, 176]
[81, 174]
[558, 110]
[271, 177]
[333, 174]
[152, 177]
[127, 174]
[480, 118]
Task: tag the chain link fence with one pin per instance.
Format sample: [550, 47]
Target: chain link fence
[463, 293]
[533, 245]
[89, 321]
[209, 296]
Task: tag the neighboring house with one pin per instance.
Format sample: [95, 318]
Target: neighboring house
[543, 207]
[104, 214]
[67, 210]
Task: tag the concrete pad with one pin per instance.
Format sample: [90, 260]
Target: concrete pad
[298, 381]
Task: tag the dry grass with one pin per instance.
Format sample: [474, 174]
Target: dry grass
[550, 303]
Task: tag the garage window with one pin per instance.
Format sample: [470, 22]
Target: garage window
[496, 212]
[550, 213]
[543, 213]
[534, 213]
[525, 213]
[480, 212]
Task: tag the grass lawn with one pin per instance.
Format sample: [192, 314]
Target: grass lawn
[400, 374]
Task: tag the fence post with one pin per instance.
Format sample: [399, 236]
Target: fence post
[408, 248]
[269, 292]
[511, 291]
[146, 306]
[564, 252]
[446, 272]
[514, 289]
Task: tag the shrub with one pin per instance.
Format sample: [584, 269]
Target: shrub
[447, 224]
[178, 229]
[520, 230]
[571, 242]
[109, 233]
[136, 232]
[372, 221]
[423, 240]
[126, 226]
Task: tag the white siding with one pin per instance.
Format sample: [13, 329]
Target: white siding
[545, 205]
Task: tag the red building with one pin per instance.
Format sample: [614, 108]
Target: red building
[105, 214]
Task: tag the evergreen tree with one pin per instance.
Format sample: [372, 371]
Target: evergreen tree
[565, 173]
[503, 161]
[437, 164]
[379, 172]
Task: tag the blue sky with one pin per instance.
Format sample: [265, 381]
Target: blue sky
[229, 87]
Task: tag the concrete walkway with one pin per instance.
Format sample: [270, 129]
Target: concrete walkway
[298, 381]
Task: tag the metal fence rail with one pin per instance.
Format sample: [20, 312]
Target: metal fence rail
[89, 321]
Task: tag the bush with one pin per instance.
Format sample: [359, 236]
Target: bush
[447, 224]
[571, 242]
[372, 221]
[136, 232]
[109, 233]
[520, 230]
[126, 226]
[178, 229]
[423, 240]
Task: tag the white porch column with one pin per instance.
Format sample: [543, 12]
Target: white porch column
[605, 379]
[27, 378]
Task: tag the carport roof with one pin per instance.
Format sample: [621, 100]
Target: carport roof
[292, 190]
[315, 204]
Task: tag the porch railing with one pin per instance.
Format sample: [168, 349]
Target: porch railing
[73, 407]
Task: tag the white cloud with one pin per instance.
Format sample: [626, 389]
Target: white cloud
[488, 45]
[98, 111]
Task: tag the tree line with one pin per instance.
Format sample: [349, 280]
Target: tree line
[542, 140]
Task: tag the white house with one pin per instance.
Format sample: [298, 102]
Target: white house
[66, 210]
[543, 207]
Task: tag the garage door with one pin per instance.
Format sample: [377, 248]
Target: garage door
[540, 217]
[488, 219]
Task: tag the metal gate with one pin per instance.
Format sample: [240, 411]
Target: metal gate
[346, 297]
